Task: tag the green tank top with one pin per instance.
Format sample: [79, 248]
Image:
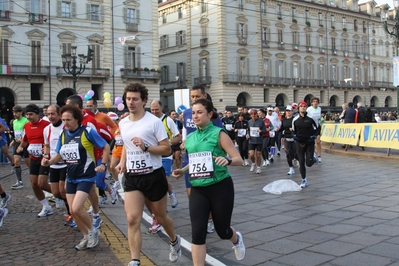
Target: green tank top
[207, 140]
[18, 127]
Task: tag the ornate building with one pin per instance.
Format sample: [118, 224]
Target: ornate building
[35, 36]
[267, 52]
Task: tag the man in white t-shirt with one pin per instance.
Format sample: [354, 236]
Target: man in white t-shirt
[314, 112]
[273, 117]
[145, 142]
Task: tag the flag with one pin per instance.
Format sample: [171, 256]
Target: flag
[4, 69]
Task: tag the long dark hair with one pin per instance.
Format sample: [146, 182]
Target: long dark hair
[208, 107]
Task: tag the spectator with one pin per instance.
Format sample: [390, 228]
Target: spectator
[361, 113]
[350, 113]
[369, 115]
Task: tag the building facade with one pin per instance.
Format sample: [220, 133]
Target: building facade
[267, 52]
[36, 34]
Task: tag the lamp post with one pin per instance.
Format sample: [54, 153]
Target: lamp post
[395, 33]
[69, 64]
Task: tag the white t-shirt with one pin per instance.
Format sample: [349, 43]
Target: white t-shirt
[150, 129]
[274, 120]
[173, 128]
[314, 113]
[51, 135]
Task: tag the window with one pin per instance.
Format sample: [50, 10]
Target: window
[280, 68]
[66, 9]
[4, 52]
[95, 12]
[180, 37]
[203, 67]
[345, 73]
[334, 72]
[373, 49]
[203, 6]
[279, 12]
[295, 70]
[265, 38]
[344, 44]
[164, 42]
[309, 70]
[181, 73]
[35, 89]
[131, 16]
[306, 15]
[265, 66]
[293, 14]
[333, 44]
[320, 18]
[343, 4]
[357, 74]
[204, 31]
[332, 21]
[364, 27]
[321, 41]
[355, 46]
[344, 23]
[179, 13]
[241, 30]
[132, 57]
[35, 6]
[280, 36]
[4, 5]
[66, 48]
[163, 18]
[96, 62]
[355, 25]
[165, 74]
[295, 37]
[243, 67]
[36, 56]
[321, 72]
[308, 39]
[262, 8]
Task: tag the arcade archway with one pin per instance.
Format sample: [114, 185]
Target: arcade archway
[63, 95]
[6, 103]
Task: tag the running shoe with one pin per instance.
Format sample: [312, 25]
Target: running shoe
[315, 158]
[134, 263]
[252, 168]
[239, 248]
[114, 195]
[304, 183]
[319, 159]
[246, 161]
[97, 221]
[211, 227]
[3, 214]
[155, 226]
[90, 210]
[5, 201]
[82, 244]
[12, 169]
[70, 222]
[17, 185]
[175, 250]
[173, 200]
[59, 203]
[52, 199]
[109, 177]
[264, 163]
[102, 200]
[258, 170]
[291, 171]
[46, 211]
[93, 238]
[117, 185]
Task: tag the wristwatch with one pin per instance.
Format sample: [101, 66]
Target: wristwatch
[105, 164]
[146, 147]
[229, 160]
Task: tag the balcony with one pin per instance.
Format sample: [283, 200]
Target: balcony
[88, 73]
[346, 54]
[242, 41]
[36, 18]
[132, 27]
[4, 15]
[203, 42]
[309, 49]
[265, 44]
[132, 74]
[280, 46]
[205, 80]
[295, 47]
[322, 50]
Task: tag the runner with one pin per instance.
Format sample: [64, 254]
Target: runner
[76, 147]
[3, 140]
[38, 173]
[18, 126]
[256, 129]
[5, 198]
[145, 180]
[57, 171]
[314, 112]
[212, 185]
[287, 134]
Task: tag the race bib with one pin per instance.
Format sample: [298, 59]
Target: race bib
[201, 165]
[229, 127]
[70, 153]
[118, 140]
[272, 134]
[241, 132]
[18, 134]
[138, 163]
[35, 150]
[253, 131]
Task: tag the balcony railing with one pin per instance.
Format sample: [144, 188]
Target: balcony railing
[280, 46]
[89, 72]
[4, 15]
[205, 80]
[36, 18]
[242, 41]
[129, 73]
[265, 44]
[132, 27]
[203, 42]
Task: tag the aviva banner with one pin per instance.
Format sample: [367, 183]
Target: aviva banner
[384, 135]
[341, 133]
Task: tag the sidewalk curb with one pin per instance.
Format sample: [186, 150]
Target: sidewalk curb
[356, 152]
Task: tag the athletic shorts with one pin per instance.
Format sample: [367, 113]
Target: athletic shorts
[57, 174]
[257, 147]
[117, 152]
[176, 147]
[37, 169]
[72, 186]
[154, 185]
[167, 165]
[25, 153]
[3, 143]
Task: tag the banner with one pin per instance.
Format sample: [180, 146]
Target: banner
[380, 135]
[341, 133]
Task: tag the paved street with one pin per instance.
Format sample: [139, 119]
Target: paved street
[348, 215]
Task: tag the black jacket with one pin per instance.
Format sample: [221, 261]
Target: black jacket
[361, 115]
[349, 116]
[304, 128]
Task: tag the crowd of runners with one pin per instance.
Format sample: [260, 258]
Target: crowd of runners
[70, 149]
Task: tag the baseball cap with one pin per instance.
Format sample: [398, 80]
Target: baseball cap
[17, 108]
[270, 108]
[289, 108]
[113, 115]
[253, 112]
[303, 103]
[294, 105]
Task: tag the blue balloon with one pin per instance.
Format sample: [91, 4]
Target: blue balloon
[87, 97]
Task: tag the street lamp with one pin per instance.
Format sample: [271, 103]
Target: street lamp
[395, 33]
[69, 64]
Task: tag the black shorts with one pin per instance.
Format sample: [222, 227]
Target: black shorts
[25, 153]
[257, 147]
[72, 187]
[176, 147]
[37, 169]
[318, 130]
[57, 174]
[154, 186]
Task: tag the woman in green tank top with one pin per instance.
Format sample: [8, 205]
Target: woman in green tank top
[212, 187]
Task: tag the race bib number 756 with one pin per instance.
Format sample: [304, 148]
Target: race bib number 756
[201, 165]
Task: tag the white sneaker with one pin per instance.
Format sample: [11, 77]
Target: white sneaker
[246, 162]
[117, 185]
[264, 163]
[252, 168]
[90, 211]
[319, 159]
[59, 203]
[46, 211]
[304, 183]
[211, 227]
[114, 195]
[267, 162]
[175, 250]
[291, 171]
[93, 238]
[82, 244]
[258, 170]
[173, 200]
[239, 248]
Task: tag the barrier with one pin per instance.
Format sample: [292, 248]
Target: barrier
[372, 135]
